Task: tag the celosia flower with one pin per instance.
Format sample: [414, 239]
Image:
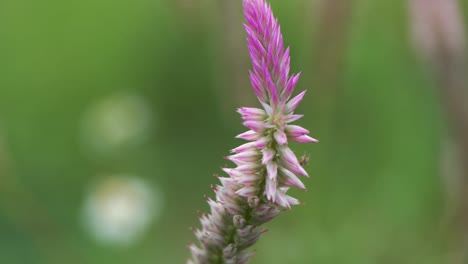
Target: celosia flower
[255, 191]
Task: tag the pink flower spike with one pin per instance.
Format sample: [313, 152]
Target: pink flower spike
[292, 180]
[247, 156]
[251, 111]
[249, 135]
[257, 126]
[231, 172]
[298, 169]
[290, 86]
[305, 139]
[268, 109]
[292, 200]
[292, 118]
[281, 200]
[268, 155]
[257, 87]
[262, 142]
[226, 181]
[288, 156]
[286, 200]
[296, 131]
[291, 161]
[280, 137]
[252, 118]
[256, 190]
[271, 189]
[272, 170]
[247, 191]
[244, 147]
[294, 103]
[248, 179]
[269, 84]
[238, 162]
[284, 72]
[302, 171]
[248, 168]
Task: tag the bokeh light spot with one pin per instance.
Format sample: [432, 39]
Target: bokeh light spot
[118, 121]
[119, 209]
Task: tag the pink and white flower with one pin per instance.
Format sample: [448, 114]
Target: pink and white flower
[255, 191]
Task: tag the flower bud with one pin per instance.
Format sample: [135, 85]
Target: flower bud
[239, 221]
[253, 201]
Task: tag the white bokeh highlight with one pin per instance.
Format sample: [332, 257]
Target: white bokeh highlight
[117, 121]
[119, 209]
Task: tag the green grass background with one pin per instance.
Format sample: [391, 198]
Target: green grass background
[376, 194]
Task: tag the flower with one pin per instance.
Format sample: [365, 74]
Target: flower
[255, 191]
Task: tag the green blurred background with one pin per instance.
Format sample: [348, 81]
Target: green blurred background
[115, 114]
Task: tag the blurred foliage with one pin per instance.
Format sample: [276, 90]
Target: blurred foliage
[375, 196]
